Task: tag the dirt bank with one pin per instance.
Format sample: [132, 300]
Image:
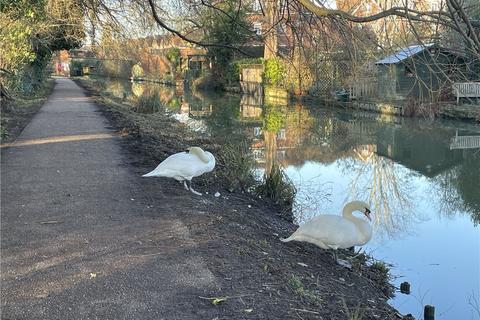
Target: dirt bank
[238, 236]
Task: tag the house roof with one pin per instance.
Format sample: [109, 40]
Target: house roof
[404, 54]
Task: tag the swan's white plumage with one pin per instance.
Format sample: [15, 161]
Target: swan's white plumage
[185, 165]
[334, 232]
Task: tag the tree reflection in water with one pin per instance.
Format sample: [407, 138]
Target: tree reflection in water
[385, 185]
[458, 188]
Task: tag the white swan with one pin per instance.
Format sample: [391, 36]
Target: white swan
[333, 232]
[184, 166]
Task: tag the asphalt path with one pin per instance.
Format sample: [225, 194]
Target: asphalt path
[81, 237]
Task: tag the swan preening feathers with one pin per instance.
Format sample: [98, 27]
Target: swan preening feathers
[184, 166]
[334, 232]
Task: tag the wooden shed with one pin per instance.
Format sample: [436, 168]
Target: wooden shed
[421, 72]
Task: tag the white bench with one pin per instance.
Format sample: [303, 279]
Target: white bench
[466, 90]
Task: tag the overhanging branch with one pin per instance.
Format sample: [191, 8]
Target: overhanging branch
[421, 16]
[185, 38]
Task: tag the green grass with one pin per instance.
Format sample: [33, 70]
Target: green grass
[296, 285]
[356, 314]
[381, 266]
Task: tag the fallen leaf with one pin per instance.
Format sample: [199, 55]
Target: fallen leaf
[93, 275]
[216, 301]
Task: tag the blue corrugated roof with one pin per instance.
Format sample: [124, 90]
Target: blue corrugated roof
[404, 54]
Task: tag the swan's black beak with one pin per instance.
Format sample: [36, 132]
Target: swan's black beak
[367, 214]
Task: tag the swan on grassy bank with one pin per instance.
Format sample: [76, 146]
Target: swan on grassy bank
[336, 232]
[184, 166]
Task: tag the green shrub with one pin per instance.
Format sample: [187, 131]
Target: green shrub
[173, 55]
[137, 71]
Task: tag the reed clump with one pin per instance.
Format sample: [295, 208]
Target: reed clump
[236, 166]
[277, 186]
[149, 104]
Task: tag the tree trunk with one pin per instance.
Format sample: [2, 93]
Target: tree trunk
[271, 37]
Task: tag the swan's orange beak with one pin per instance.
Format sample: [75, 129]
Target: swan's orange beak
[367, 214]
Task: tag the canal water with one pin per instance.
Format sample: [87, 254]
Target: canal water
[422, 179]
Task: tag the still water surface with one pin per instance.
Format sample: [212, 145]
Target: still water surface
[422, 182]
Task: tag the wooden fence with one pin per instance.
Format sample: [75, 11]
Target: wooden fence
[251, 80]
[363, 88]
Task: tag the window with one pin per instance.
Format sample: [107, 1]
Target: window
[408, 70]
[256, 5]
[257, 28]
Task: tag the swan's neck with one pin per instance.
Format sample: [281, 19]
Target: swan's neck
[362, 225]
[348, 214]
[201, 155]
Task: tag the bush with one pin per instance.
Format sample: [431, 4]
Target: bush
[137, 71]
[173, 55]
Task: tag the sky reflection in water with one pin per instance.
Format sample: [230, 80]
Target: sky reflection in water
[425, 196]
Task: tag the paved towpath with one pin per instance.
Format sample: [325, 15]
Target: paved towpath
[81, 238]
